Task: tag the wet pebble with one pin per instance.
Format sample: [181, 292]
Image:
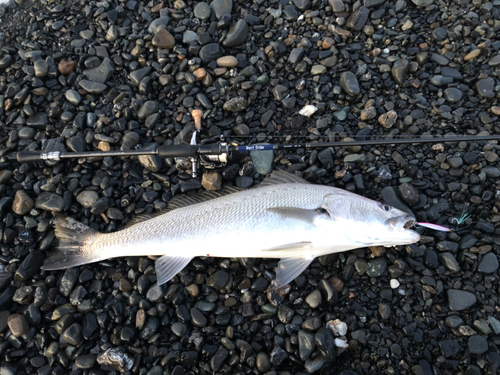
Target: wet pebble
[22, 203]
[18, 325]
[460, 299]
[489, 263]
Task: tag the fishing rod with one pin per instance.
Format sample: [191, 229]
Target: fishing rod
[216, 154]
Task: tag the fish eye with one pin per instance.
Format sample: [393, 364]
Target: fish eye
[322, 210]
[386, 207]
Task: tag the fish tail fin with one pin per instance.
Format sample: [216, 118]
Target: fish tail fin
[74, 247]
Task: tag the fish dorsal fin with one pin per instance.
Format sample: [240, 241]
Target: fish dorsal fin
[279, 177]
[276, 178]
[185, 200]
[188, 200]
[145, 217]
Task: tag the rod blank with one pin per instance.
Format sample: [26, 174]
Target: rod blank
[168, 151]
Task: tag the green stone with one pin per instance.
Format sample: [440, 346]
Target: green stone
[262, 80]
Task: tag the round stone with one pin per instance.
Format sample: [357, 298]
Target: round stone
[452, 94]
[202, 11]
[87, 198]
[73, 97]
[227, 61]
[22, 203]
[18, 325]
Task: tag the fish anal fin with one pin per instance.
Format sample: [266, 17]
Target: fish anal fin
[289, 269]
[168, 266]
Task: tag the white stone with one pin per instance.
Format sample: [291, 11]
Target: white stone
[394, 283]
[341, 342]
[338, 327]
[308, 110]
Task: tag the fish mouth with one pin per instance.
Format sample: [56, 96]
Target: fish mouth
[409, 224]
[402, 222]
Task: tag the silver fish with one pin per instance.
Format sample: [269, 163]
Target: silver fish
[284, 217]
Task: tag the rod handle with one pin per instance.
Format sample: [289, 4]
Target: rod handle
[177, 151]
[26, 157]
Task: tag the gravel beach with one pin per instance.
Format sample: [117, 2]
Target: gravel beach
[80, 75]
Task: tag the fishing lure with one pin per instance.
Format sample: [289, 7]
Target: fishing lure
[462, 218]
[439, 228]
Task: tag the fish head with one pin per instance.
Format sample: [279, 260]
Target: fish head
[371, 223]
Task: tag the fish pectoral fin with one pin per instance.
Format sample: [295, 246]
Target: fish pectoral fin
[168, 266]
[297, 246]
[308, 216]
[289, 269]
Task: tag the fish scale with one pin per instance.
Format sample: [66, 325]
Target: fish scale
[206, 226]
[285, 218]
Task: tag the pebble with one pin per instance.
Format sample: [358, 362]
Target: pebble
[314, 299]
[325, 343]
[485, 87]
[50, 202]
[163, 39]
[148, 108]
[218, 359]
[73, 335]
[358, 18]
[116, 359]
[18, 325]
[227, 61]
[87, 198]
[262, 160]
[218, 280]
[489, 263]
[306, 344]
[452, 94]
[449, 348]
[85, 361]
[449, 261]
[477, 344]
[349, 83]
[92, 87]
[262, 362]
[388, 119]
[221, 7]
[41, 68]
[101, 73]
[376, 267]
[153, 163]
[460, 299]
[400, 70]
[202, 11]
[73, 97]
[237, 35]
[124, 76]
[22, 203]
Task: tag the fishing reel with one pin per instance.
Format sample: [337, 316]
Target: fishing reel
[207, 159]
